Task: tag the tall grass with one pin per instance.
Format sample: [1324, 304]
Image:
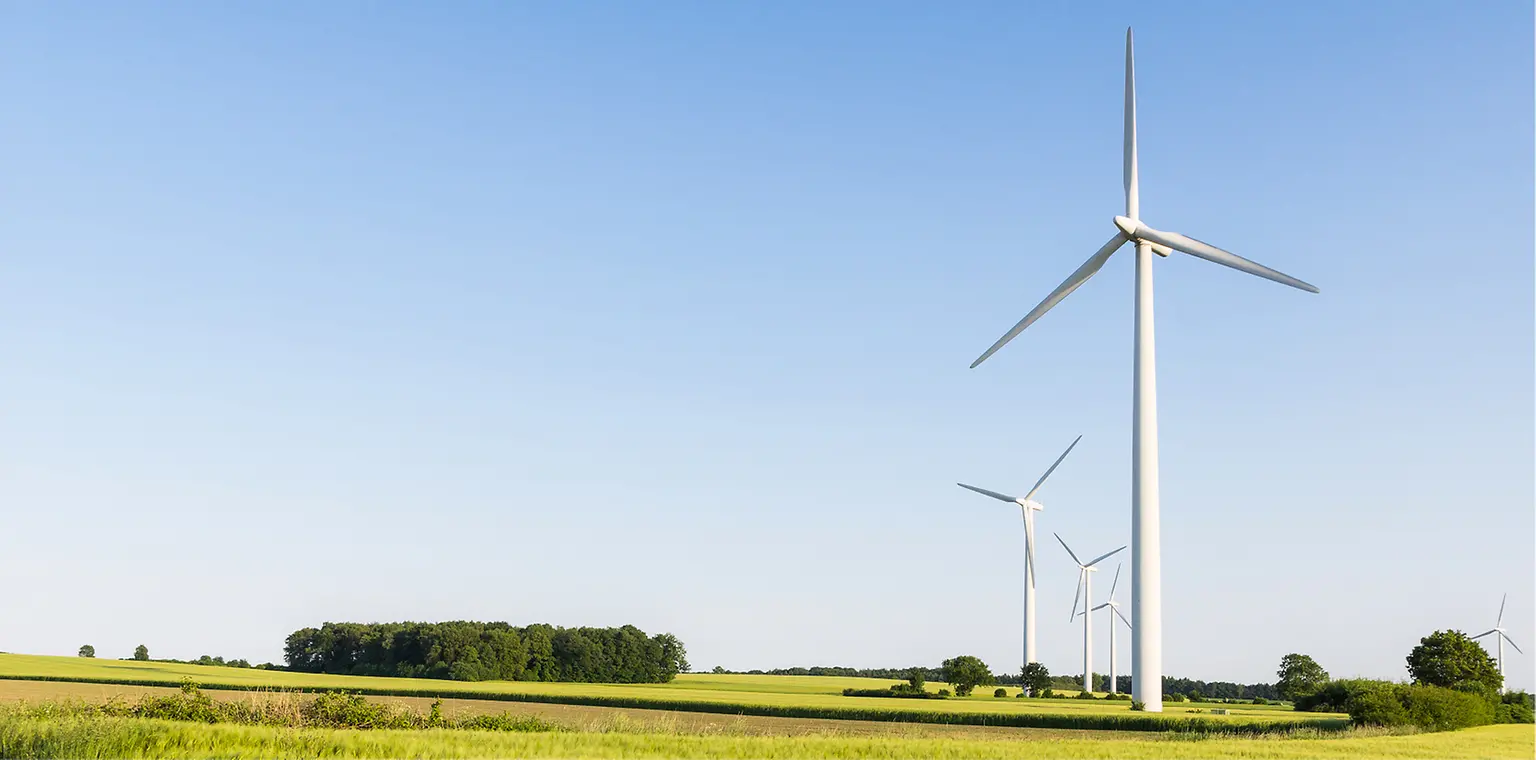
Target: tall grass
[105, 736]
[281, 709]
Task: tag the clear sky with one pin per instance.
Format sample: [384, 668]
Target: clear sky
[603, 313]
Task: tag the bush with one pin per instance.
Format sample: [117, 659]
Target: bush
[1174, 698]
[1514, 707]
[1085, 695]
[1260, 701]
[943, 692]
[87, 651]
[1432, 708]
[1118, 696]
[1049, 693]
[1335, 696]
[1138, 705]
[1000, 693]
[1021, 695]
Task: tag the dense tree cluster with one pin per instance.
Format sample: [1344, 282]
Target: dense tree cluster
[474, 651]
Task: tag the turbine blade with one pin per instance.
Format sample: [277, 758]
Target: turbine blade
[1078, 593]
[1029, 541]
[1104, 556]
[1484, 633]
[1116, 583]
[1511, 642]
[1069, 551]
[1100, 607]
[1500, 621]
[985, 492]
[1216, 255]
[1132, 192]
[1077, 278]
[1123, 617]
[1047, 474]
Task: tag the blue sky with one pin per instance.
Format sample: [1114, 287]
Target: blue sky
[603, 313]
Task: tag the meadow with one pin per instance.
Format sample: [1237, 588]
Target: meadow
[782, 696]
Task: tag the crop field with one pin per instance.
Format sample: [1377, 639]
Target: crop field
[782, 696]
[130, 738]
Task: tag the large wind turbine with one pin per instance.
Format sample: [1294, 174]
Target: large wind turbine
[1146, 562]
[1499, 635]
[1027, 508]
[1114, 608]
[1085, 571]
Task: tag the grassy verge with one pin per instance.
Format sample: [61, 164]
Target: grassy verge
[22, 737]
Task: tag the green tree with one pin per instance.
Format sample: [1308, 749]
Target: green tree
[1299, 675]
[1035, 679]
[966, 673]
[916, 680]
[141, 652]
[87, 651]
[1449, 658]
[674, 658]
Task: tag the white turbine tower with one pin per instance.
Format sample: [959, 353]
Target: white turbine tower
[1027, 508]
[1146, 562]
[1085, 571]
[1114, 608]
[1498, 634]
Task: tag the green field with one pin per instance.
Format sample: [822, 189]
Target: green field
[788, 696]
[127, 738]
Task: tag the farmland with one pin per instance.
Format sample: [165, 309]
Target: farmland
[105, 737]
[742, 716]
[782, 696]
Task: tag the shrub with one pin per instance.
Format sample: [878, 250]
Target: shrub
[1514, 707]
[1260, 701]
[943, 692]
[1049, 693]
[1118, 696]
[1085, 695]
[1378, 707]
[1021, 695]
[1138, 705]
[1000, 693]
[1335, 696]
[87, 651]
[1432, 708]
[1174, 698]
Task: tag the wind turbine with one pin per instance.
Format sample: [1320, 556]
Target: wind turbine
[1146, 560]
[1114, 608]
[1501, 637]
[1085, 571]
[1027, 508]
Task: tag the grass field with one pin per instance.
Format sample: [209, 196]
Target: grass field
[128, 738]
[785, 696]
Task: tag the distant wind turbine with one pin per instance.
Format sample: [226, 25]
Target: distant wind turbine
[1114, 608]
[1085, 571]
[1146, 560]
[1501, 637]
[1027, 508]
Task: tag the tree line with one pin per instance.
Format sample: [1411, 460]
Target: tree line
[464, 650]
[1188, 687]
